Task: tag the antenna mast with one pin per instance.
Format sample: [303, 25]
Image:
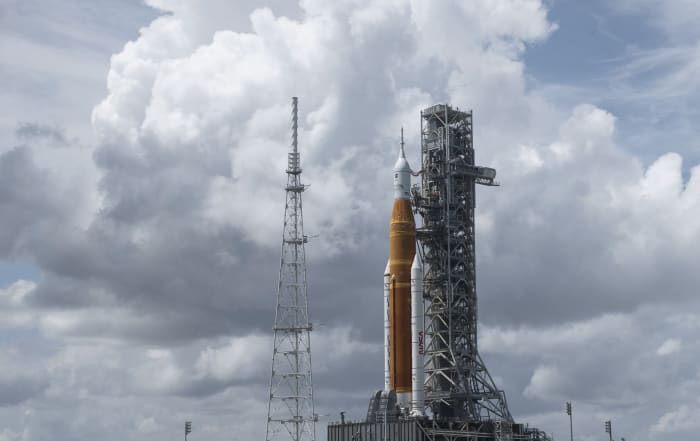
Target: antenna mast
[291, 413]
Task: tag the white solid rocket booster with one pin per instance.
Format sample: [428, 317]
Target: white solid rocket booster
[417, 338]
[387, 373]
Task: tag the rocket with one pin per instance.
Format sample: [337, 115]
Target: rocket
[403, 299]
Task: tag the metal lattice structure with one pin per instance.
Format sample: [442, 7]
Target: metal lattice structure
[291, 413]
[458, 387]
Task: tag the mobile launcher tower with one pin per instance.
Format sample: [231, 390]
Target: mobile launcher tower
[436, 386]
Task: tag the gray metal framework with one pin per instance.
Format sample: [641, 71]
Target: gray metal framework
[458, 387]
[291, 413]
[417, 429]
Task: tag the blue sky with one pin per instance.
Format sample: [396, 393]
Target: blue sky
[141, 176]
[594, 51]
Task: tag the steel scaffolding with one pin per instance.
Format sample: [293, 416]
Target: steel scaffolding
[458, 387]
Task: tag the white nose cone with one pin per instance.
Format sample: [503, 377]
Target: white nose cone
[417, 267]
[402, 176]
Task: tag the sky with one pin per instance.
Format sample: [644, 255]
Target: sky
[142, 156]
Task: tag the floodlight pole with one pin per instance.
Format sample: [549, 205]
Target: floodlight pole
[188, 428]
[608, 428]
[571, 421]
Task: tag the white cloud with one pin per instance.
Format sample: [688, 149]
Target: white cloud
[528, 339]
[159, 372]
[338, 345]
[173, 96]
[681, 419]
[668, 347]
[672, 16]
[240, 359]
[14, 295]
[13, 312]
[545, 380]
[9, 435]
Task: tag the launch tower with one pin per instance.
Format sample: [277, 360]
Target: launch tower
[458, 386]
[291, 412]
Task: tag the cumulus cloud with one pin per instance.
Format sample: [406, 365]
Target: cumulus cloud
[609, 367]
[159, 245]
[582, 199]
[192, 141]
[159, 373]
[240, 359]
[545, 380]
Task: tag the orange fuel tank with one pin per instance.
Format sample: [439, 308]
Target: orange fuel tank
[402, 249]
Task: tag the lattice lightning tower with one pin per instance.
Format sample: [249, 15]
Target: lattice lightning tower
[291, 412]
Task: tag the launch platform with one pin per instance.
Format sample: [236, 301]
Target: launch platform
[424, 430]
[436, 385]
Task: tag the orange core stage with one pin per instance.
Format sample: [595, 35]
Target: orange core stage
[402, 249]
